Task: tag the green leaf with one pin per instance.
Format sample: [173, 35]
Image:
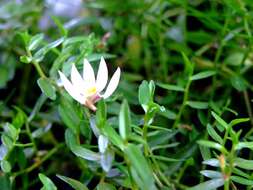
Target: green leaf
[202, 75]
[78, 150]
[41, 131]
[54, 44]
[197, 104]
[234, 59]
[188, 65]
[20, 118]
[73, 183]
[25, 59]
[97, 56]
[11, 131]
[211, 184]
[238, 83]
[21, 157]
[243, 163]
[137, 179]
[151, 86]
[168, 114]
[212, 144]
[85, 153]
[5, 166]
[25, 37]
[212, 162]
[74, 40]
[63, 31]
[144, 93]
[241, 180]
[47, 183]
[124, 120]
[3, 76]
[101, 113]
[39, 55]
[220, 120]
[213, 134]
[211, 174]
[114, 137]
[5, 182]
[35, 41]
[205, 152]
[47, 88]
[166, 159]
[242, 145]
[105, 186]
[140, 164]
[7, 141]
[240, 173]
[69, 114]
[237, 121]
[171, 87]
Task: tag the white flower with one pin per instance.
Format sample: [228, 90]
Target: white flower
[87, 90]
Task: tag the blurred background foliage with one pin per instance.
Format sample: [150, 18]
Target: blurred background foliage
[198, 54]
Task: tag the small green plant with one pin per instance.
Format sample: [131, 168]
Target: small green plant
[223, 154]
[178, 70]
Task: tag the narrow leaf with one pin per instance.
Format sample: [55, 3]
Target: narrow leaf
[211, 174]
[211, 184]
[220, 120]
[171, 87]
[5, 166]
[241, 145]
[211, 144]
[241, 180]
[197, 104]
[124, 120]
[47, 88]
[35, 42]
[243, 163]
[47, 183]
[114, 137]
[73, 183]
[213, 134]
[202, 75]
[140, 164]
[144, 93]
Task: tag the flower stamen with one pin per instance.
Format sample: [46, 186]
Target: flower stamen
[90, 91]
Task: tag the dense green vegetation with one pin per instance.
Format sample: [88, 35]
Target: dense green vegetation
[181, 117]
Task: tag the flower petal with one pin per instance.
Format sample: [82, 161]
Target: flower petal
[102, 75]
[113, 84]
[71, 89]
[88, 74]
[76, 79]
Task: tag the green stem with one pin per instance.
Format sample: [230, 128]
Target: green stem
[216, 60]
[23, 145]
[148, 152]
[226, 185]
[157, 167]
[39, 70]
[145, 135]
[185, 98]
[248, 106]
[29, 133]
[37, 164]
[36, 65]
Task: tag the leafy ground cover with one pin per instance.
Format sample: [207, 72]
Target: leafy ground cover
[180, 118]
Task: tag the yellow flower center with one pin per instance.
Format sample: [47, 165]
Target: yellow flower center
[90, 91]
